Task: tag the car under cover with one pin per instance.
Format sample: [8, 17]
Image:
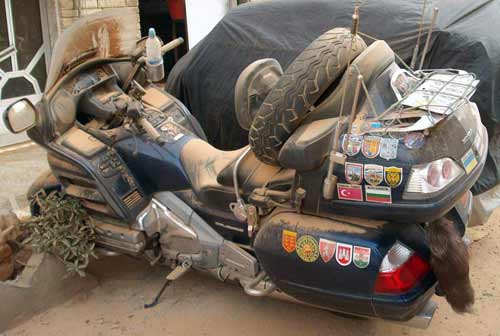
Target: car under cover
[465, 37]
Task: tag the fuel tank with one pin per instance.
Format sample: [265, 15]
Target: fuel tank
[334, 262]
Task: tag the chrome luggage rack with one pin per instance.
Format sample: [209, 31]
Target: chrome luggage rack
[402, 116]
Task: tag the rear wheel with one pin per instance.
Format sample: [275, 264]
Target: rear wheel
[320, 65]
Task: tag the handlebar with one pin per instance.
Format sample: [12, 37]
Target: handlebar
[166, 48]
[149, 129]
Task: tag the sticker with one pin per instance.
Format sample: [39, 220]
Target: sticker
[374, 174]
[327, 249]
[354, 173]
[371, 147]
[289, 241]
[393, 176]
[307, 249]
[353, 146]
[378, 194]
[469, 161]
[414, 140]
[349, 192]
[389, 148]
[344, 254]
[361, 256]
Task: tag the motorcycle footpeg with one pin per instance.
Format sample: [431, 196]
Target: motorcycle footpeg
[177, 272]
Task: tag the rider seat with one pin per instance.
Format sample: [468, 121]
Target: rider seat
[210, 172]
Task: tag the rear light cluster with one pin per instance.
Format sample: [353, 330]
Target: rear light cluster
[432, 177]
[400, 271]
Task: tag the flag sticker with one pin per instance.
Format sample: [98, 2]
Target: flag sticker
[469, 161]
[378, 194]
[349, 192]
[361, 256]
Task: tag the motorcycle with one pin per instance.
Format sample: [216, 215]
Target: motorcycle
[322, 208]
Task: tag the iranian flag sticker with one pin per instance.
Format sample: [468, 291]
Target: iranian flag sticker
[378, 194]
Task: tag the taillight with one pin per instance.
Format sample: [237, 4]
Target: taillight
[401, 270]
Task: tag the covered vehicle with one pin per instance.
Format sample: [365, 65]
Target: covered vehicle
[465, 37]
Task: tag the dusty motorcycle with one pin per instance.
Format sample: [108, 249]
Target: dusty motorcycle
[325, 207]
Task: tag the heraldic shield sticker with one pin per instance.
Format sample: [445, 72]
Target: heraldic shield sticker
[327, 249]
[354, 173]
[344, 254]
[361, 256]
[289, 241]
[393, 176]
[352, 144]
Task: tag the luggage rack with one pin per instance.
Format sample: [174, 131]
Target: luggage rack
[452, 86]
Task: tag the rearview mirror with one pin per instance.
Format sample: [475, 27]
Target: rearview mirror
[20, 116]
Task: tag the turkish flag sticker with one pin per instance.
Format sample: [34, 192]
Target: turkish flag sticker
[350, 192]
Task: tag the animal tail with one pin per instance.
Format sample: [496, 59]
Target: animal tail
[450, 263]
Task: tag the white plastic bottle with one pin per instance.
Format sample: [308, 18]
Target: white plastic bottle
[154, 58]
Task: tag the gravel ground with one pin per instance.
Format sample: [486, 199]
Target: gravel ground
[200, 305]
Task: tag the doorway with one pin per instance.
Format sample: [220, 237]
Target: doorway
[23, 68]
[168, 17]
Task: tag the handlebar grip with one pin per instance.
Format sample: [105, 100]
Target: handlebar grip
[149, 129]
[166, 48]
[171, 45]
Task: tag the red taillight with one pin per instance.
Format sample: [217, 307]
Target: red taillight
[402, 278]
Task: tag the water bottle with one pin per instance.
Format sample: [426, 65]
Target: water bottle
[154, 58]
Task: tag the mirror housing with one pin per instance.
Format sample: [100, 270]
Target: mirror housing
[20, 116]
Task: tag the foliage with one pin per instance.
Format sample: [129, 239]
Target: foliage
[64, 229]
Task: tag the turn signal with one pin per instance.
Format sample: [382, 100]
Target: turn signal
[400, 271]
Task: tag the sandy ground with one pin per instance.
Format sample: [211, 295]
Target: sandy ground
[199, 305]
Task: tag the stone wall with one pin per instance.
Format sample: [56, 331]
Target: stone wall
[71, 10]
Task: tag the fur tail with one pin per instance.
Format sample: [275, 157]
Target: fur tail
[450, 263]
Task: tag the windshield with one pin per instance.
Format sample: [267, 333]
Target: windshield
[110, 33]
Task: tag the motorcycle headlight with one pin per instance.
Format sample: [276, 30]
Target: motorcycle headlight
[430, 178]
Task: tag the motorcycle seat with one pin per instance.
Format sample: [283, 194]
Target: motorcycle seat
[210, 172]
[371, 63]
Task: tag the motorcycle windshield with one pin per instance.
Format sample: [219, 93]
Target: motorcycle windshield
[107, 34]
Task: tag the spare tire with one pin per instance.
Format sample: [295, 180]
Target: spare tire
[304, 81]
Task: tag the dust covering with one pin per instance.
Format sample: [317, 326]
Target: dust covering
[465, 37]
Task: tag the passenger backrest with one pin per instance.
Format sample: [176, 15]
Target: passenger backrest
[370, 64]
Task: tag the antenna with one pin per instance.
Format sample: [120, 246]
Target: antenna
[431, 28]
[420, 31]
[330, 182]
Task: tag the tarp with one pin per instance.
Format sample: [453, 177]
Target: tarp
[466, 37]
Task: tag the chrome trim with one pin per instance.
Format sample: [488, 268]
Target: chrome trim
[423, 319]
[172, 217]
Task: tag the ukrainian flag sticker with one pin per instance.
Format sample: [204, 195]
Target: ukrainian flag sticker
[469, 161]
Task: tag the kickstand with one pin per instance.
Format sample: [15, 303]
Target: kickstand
[174, 275]
[158, 296]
